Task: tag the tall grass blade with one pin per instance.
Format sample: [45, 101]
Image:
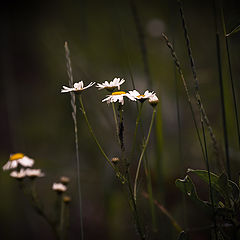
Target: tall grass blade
[178, 66]
[196, 83]
[219, 64]
[231, 77]
[209, 179]
[74, 116]
[141, 39]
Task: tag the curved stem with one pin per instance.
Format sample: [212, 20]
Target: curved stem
[92, 133]
[142, 154]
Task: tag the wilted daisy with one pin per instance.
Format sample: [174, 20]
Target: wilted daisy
[153, 100]
[118, 96]
[110, 86]
[77, 87]
[18, 158]
[59, 187]
[141, 97]
[19, 175]
[32, 173]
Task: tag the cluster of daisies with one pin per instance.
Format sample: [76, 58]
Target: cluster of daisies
[115, 96]
[24, 163]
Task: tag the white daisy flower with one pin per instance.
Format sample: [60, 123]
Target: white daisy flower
[77, 87]
[32, 173]
[59, 187]
[110, 86]
[18, 158]
[19, 175]
[141, 97]
[153, 100]
[118, 96]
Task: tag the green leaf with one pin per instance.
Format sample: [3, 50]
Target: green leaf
[226, 188]
[186, 185]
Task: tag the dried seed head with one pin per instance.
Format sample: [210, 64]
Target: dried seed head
[67, 199]
[64, 180]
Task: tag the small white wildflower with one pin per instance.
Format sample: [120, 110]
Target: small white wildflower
[118, 96]
[153, 100]
[77, 87]
[18, 158]
[110, 86]
[59, 187]
[32, 173]
[19, 175]
[141, 97]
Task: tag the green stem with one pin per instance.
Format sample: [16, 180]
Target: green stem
[150, 193]
[92, 133]
[165, 212]
[62, 219]
[136, 128]
[115, 117]
[142, 154]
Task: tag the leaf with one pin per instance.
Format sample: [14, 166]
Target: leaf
[186, 185]
[235, 30]
[226, 188]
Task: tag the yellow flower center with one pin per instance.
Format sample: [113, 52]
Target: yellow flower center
[140, 96]
[16, 156]
[118, 93]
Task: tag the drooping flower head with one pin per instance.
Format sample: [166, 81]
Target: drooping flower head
[153, 100]
[110, 86]
[59, 187]
[141, 97]
[118, 97]
[77, 87]
[18, 158]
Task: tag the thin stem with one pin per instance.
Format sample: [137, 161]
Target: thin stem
[136, 128]
[132, 201]
[209, 178]
[222, 93]
[142, 154]
[93, 134]
[177, 64]
[150, 193]
[62, 219]
[38, 206]
[165, 212]
[231, 78]
[115, 117]
[74, 116]
[141, 38]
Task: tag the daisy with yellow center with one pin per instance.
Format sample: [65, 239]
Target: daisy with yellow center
[118, 97]
[18, 158]
[141, 97]
[77, 87]
[110, 86]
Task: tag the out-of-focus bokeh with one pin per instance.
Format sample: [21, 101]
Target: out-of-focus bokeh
[104, 43]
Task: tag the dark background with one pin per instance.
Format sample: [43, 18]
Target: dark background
[103, 41]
